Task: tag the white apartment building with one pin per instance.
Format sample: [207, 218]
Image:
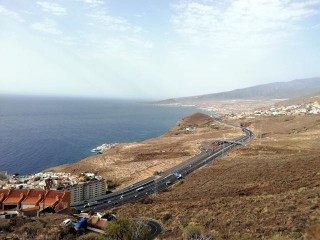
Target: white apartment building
[87, 190]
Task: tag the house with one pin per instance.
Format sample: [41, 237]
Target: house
[98, 222]
[3, 195]
[14, 199]
[52, 198]
[31, 201]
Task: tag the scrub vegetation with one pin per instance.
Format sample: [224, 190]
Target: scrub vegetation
[269, 189]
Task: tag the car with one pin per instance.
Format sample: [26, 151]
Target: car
[121, 197]
[177, 175]
[67, 222]
[91, 204]
[139, 189]
[109, 201]
[168, 182]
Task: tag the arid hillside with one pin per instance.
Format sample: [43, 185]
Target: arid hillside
[303, 100]
[131, 162]
[269, 189]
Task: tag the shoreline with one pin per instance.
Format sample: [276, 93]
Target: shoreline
[67, 134]
[132, 161]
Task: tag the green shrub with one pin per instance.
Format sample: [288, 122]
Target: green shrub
[193, 231]
[91, 236]
[111, 184]
[75, 211]
[166, 217]
[126, 229]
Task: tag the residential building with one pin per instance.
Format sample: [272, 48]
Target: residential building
[14, 199]
[32, 201]
[87, 190]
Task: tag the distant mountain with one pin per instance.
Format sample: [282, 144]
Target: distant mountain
[277, 90]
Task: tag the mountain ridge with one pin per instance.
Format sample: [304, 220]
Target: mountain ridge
[277, 90]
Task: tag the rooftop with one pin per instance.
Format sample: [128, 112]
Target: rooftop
[16, 196]
[34, 196]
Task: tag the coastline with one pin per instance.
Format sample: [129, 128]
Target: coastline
[130, 162]
[40, 132]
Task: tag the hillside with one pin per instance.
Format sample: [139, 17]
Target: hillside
[277, 90]
[130, 162]
[269, 189]
[301, 100]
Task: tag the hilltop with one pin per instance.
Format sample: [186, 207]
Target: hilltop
[197, 119]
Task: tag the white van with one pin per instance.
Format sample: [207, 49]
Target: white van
[67, 223]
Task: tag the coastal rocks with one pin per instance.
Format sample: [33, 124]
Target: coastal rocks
[103, 148]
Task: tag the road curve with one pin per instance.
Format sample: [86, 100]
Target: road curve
[155, 228]
[155, 184]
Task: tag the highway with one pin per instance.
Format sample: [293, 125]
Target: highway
[165, 179]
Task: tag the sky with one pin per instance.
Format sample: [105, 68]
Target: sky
[154, 49]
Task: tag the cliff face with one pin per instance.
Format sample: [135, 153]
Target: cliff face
[131, 162]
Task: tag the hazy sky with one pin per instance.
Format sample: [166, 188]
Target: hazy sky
[155, 48]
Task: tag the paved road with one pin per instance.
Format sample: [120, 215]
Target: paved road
[155, 228]
[158, 183]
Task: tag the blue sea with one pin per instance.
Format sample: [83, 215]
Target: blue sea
[41, 132]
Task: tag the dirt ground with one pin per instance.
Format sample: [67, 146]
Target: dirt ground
[129, 162]
[269, 189]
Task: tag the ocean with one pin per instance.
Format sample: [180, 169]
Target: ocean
[41, 132]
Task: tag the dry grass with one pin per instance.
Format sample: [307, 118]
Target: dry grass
[267, 191]
[127, 163]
